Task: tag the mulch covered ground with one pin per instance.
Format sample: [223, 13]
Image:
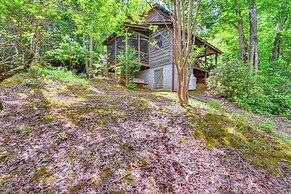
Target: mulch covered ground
[68, 138]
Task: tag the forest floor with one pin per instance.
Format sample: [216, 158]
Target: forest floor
[98, 137]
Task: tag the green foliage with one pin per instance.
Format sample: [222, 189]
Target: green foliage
[26, 130]
[62, 74]
[128, 63]
[214, 104]
[101, 66]
[263, 93]
[69, 52]
[62, 136]
[267, 126]
[30, 83]
[284, 138]
[132, 86]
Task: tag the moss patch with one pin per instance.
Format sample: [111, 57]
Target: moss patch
[104, 174]
[4, 155]
[76, 188]
[126, 147]
[42, 174]
[258, 147]
[11, 82]
[48, 118]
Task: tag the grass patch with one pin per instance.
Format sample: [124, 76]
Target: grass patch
[30, 83]
[284, 138]
[214, 104]
[267, 126]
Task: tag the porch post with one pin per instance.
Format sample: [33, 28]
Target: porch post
[205, 58]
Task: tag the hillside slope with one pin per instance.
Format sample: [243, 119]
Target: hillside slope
[97, 137]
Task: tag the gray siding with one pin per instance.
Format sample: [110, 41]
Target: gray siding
[155, 15]
[161, 56]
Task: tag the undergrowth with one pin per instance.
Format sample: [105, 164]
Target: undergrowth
[62, 74]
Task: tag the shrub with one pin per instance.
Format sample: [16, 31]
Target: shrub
[128, 63]
[62, 74]
[132, 86]
[30, 83]
[101, 66]
[267, 92]
[69, 52]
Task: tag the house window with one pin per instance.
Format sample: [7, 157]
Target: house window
[159, 41]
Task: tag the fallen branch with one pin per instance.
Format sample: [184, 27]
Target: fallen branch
[12, 72]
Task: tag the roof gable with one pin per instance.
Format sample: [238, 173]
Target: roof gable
[158, 14]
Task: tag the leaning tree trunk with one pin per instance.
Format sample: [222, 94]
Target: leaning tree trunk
[253, 37]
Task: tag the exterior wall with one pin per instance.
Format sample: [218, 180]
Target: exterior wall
[155, 15]
[161, 56]
[152, 16]
[148, 76]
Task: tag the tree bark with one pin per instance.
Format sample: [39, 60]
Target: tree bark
[253, 37]
[276, 45]
[242, 41]
[84, 42]
[91, 42]
[241, 34]
[183, 44]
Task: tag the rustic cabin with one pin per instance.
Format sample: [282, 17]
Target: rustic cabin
[158, 70]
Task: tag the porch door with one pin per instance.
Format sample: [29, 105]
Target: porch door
[158, 78]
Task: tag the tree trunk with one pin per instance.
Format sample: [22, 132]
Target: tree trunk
[183, 44]
[91, 56]
[182, 87]
[84, 42]
[253, 37]
[242, 41]
[91, 41]
[241, 34]
[276, 47]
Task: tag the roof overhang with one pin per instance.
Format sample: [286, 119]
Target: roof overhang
[134, 27]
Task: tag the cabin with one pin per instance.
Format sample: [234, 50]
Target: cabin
[158, 70]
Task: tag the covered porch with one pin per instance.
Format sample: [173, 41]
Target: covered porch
[136, 37]
[205, 62]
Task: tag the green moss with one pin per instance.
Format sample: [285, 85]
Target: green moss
[127, 181]
[268, 126]
[183, 141]
[42, 173]
[76, 188]
[261, 149]
[126, 147]
[11, 82]
[48, 118]
[284, 138]
[214, 104]
[50, 179]
[4, 155]
[104, 174]
[72, 157]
